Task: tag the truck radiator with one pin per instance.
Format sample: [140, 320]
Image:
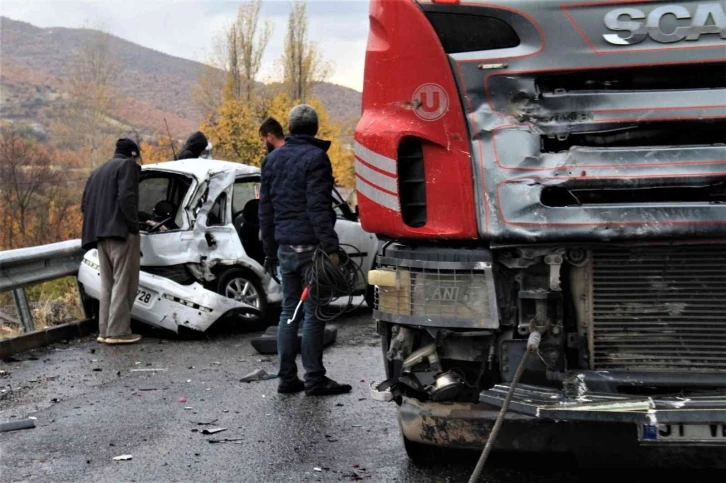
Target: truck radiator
[659, 308]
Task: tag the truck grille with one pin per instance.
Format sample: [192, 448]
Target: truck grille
[661, 309]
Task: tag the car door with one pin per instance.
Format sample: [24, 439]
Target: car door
[350, 233]
[168, 244]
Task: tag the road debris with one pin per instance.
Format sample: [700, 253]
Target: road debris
[182, 400]
[317, 469]
[258, 375]
[17, 425]
[149, 369]
[123, 457]
[204, 424]
[227, 440]
[213, 430]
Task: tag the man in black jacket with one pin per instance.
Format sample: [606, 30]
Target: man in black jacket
[110, 209]
[296, 216]
[271, 134]
[194, 147]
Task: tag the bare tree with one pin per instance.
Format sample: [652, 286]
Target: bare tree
[251, 43]
[235, 60]
[302, 62]
[233, 84]
[90, 97]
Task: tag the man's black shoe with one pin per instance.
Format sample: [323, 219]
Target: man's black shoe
[328, 387]
[296, 385]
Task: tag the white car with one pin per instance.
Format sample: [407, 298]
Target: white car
[201, 254]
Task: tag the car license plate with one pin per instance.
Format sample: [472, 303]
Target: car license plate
[683, 433]
[144, 297]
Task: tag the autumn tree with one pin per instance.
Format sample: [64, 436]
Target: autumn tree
[235, 134]
[37, 203]
[302, 62]
[86, 120]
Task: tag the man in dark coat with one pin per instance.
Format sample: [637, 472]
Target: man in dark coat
[194, 147]
[271, 134]
[110, 209]
[296, 216]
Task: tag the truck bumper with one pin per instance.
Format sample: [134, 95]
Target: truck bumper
[467, 426]
[541, 419]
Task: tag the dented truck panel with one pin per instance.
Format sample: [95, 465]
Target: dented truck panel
[575, 136]
[570, 134]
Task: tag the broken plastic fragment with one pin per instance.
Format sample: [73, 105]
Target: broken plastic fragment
[123, 457]
[258, 375]
[213, 430]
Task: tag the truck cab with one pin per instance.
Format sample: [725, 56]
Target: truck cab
[555, 168]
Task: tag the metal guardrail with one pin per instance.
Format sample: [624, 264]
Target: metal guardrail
[24, 267]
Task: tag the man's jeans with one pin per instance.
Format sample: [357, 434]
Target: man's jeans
[292, 270]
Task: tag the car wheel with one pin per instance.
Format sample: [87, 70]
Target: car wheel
[244, 286]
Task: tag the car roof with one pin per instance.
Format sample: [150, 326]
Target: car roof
[202, 168]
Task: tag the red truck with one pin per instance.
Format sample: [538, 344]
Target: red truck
[549, 167]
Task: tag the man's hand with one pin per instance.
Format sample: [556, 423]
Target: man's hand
[335, 258]
[271, 268]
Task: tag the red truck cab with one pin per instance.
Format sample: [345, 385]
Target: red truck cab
[534, 165]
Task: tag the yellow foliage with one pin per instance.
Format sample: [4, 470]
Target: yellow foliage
[234, 133]
[156, 153]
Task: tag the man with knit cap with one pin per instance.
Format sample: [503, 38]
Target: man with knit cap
[296, 217]
[110, 209]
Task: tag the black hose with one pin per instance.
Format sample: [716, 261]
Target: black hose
[329, 282]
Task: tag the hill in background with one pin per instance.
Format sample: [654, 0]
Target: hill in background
[36, 64]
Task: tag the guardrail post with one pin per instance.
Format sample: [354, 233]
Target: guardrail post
[21, 302]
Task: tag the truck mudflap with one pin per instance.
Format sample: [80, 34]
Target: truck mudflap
[698, 419]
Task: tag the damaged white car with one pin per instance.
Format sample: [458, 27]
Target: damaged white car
[201, 254]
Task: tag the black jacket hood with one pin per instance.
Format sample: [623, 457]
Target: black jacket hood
[194, 147]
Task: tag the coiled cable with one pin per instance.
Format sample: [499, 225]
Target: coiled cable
[329, 282]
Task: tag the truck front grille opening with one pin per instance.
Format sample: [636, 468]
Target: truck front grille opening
[558, 197]
[672, 77]
[682, 133]
[412, 182]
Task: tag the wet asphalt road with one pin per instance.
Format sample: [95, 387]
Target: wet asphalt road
[90, 407]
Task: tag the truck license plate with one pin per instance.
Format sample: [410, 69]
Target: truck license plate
[144, 297]
[682, 433]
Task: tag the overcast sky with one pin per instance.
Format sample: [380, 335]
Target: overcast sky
[185, 28]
